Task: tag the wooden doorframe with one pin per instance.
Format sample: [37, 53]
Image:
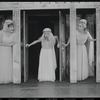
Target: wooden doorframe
[25, 35]
[60, 54]
[98, 44]
[16, 8]
[17, 48]
[62, 50]
[72, 62]
[73, 56]
[72, 45]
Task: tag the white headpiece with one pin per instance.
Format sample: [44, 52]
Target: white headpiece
[51, 36]
[47, 29]
[6, 23]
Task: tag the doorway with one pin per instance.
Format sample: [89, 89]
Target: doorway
[33, 24]
[36, 24]
[90, 16]
[58, 20]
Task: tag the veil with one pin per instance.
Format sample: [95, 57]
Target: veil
[5, 26]
[51, 36]
[90, 52]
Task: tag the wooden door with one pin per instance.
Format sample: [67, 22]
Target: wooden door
[25, 34]
[62, 50]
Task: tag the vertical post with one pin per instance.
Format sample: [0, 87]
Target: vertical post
[73, 58]
[17, 48]
[60, 60]
[24, 35]
[98, 44]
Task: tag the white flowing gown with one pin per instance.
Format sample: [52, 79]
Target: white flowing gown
[6, 60]
[47, 62]
[83, 69]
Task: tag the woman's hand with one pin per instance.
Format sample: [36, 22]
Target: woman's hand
[12, 43]
[58, 45]
[92, 39]
[27, 45]
[95, 39]
[64, 45]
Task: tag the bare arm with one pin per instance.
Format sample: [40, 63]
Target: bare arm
[34, 42]
[67, 43]
[56, 37]
[90, 37]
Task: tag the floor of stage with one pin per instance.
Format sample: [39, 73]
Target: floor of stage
[34, 89]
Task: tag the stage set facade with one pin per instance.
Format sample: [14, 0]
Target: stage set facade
[30, 18]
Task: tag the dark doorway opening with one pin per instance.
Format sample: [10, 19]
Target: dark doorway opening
[4, 15]
[37, 21]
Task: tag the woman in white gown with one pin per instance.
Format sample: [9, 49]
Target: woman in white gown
[6, 52]
[84, 43]
[47, 59]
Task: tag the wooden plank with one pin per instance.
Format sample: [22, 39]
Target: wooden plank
[25, 34]
[46, 5]
[73, 58]
[88, 99]
[17, 49]
[98, 45]
[68, 47]
[62, 49]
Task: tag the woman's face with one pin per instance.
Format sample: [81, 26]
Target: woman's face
[11, 28]
[80, 27]
[46, 33]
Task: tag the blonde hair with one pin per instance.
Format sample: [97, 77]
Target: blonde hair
[51, 36]
[84, 23]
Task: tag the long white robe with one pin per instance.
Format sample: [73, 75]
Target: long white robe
[84, 56]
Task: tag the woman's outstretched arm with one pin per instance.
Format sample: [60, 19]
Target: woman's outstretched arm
[90, 37]
[56, 37]
[34, 42]
[66, 43]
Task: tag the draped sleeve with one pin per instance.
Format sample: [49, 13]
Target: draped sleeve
[91, 49]
[1, 36]
[90, 53]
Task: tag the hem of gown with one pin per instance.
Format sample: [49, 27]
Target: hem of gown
[82, 79]
[6, 82]
[40, 80]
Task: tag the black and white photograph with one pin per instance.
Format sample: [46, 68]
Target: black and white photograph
[49, 50]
